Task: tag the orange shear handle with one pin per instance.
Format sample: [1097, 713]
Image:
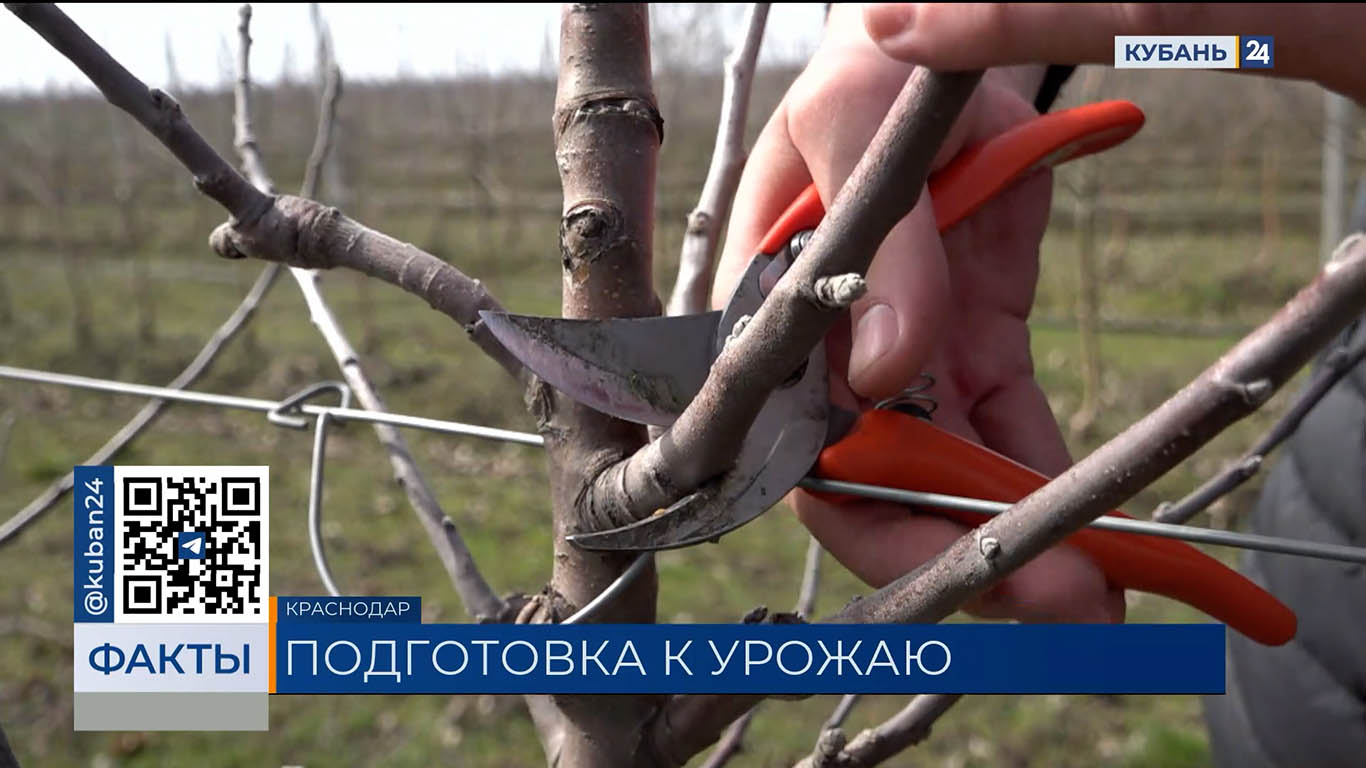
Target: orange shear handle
[902, 451]
[982, 171]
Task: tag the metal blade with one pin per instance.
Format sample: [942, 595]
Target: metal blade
[781, 448]
[782, 445]
[644, 370]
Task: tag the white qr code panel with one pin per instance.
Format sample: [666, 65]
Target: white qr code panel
[192, 544]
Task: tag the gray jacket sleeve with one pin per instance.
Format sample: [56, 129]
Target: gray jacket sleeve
[1304, 704]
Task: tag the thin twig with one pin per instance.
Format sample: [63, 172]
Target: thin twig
[732, 741]
[327, 120]
[325, 62]
[811, 579]
[283, 228]
[152, 108]
[480, 601]
[693, 285]
[7, 421]
[1337, 364]
[841, 712]
[152, 409]
[905, 729]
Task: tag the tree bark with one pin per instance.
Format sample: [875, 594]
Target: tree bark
[607, 136]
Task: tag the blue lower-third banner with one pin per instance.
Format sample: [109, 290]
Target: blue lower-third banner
[390, 658]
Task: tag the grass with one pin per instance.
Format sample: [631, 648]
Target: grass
[1195, 273]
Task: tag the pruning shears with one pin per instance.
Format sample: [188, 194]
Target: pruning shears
[647, 370]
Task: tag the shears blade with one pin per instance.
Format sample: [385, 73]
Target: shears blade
[779, 450]
[644, 370]
[648, 370]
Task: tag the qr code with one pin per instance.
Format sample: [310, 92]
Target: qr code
[192, 544]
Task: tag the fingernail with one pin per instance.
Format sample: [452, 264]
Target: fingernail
[874, 338]
[888, 21]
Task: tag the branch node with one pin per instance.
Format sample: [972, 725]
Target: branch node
[1341, 253]
[222, 242]
[168, 109]
[1257, 392]
[540, 402]
[839, 291]
[737, 329]
[989, 546]
[1250, 466]
[699, 223]
[588, 231]
[829, 745]
[1336, 359]
[609, 104]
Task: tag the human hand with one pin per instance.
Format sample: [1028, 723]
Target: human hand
[1313, 41]
[955, 307]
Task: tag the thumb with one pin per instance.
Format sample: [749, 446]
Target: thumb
[1313, 41]
[980, 35]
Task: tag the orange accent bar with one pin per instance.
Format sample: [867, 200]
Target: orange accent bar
[271, 689]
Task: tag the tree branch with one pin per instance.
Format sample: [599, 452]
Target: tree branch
[327, 120]
[905, 729]
[841, 712]
[882, 189]
[1234, 386]
[478, 597]
[693, 284]
[152, 108]
[732, 741]
[7, 420]
[706, 438]
[811, 579]
[1242, 380]
[285, 229]
[1339, 362]
[607, 136]
[153, 408]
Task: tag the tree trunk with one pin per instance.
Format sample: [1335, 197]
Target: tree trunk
[607, 137]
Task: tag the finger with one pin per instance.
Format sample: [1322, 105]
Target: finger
[1062, 584]
[981, 35]
[1316, 41]
[880, 542]
[877, 541]
[893, 324]
[773, 177]
[899, 322]
[1015, 420]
